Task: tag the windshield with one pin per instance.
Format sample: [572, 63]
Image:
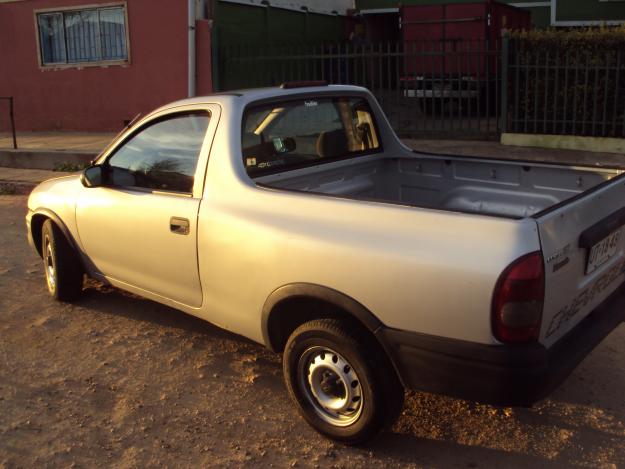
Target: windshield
[296, 133]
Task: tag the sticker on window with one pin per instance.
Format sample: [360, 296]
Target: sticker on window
[310, 103]
[269, 164]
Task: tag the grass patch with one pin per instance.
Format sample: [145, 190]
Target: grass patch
[69, 167]
[8, 189]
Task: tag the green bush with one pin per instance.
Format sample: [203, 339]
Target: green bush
[568, 82]
[588, 39]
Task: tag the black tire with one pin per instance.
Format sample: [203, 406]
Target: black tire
[311, 351]
[66, 278]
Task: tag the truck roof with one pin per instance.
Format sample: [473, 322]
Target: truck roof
[254, 94]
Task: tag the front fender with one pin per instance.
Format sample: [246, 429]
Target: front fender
[34, 222]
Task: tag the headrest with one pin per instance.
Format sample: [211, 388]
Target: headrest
[332, 144]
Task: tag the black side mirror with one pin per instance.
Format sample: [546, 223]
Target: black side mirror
[92, 176]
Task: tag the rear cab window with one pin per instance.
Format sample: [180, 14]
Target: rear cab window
[302, 132]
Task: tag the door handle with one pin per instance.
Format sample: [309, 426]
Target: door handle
[179, 225]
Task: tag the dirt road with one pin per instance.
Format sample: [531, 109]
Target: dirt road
[119, 381]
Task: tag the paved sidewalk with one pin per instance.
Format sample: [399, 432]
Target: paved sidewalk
[53, 148]
[94, 142]
[489, 149]
[20, 169]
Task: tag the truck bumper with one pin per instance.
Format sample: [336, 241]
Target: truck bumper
[507, 375]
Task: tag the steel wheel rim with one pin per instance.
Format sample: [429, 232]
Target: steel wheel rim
[331, 385]
[48, 261]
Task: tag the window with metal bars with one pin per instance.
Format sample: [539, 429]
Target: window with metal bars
[83, 36]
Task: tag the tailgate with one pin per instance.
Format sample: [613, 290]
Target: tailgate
[582, 240]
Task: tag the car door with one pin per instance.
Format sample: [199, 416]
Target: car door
[139, 227]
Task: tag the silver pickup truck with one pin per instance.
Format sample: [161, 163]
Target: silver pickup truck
[294, 216]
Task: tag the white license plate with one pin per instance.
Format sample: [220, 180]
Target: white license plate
[602, 251]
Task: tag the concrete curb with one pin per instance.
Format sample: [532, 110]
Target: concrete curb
[43, 159]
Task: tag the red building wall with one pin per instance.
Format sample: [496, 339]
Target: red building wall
[96, 98]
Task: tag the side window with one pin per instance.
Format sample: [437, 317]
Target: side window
[162, 156]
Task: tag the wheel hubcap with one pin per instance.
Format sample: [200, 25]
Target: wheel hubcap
[331, 385]
[48, 261]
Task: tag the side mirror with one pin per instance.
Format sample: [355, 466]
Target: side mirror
[92, 176]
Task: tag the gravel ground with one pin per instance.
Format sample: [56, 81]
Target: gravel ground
[120, 381]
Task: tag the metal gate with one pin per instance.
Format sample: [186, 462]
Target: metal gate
[433, 89]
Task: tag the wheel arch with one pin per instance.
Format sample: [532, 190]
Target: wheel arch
[311, 301]
[38, 219]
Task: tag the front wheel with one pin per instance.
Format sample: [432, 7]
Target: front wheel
[64, 274]
[344, 386]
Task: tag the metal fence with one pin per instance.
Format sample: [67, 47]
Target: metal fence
[565, 92]
[427, 88]
[9, 100]
[456, 88]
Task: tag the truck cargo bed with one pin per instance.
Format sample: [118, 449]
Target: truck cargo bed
[490, 187]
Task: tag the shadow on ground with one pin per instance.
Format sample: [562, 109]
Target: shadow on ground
[553, 433]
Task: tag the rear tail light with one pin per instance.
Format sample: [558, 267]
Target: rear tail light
[518, 300]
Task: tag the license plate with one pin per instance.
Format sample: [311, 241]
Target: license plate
[602, 251]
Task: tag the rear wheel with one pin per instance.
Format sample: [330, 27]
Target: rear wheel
[343, 383]
[64, 274]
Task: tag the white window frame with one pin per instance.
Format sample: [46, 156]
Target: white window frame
[79, 65]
